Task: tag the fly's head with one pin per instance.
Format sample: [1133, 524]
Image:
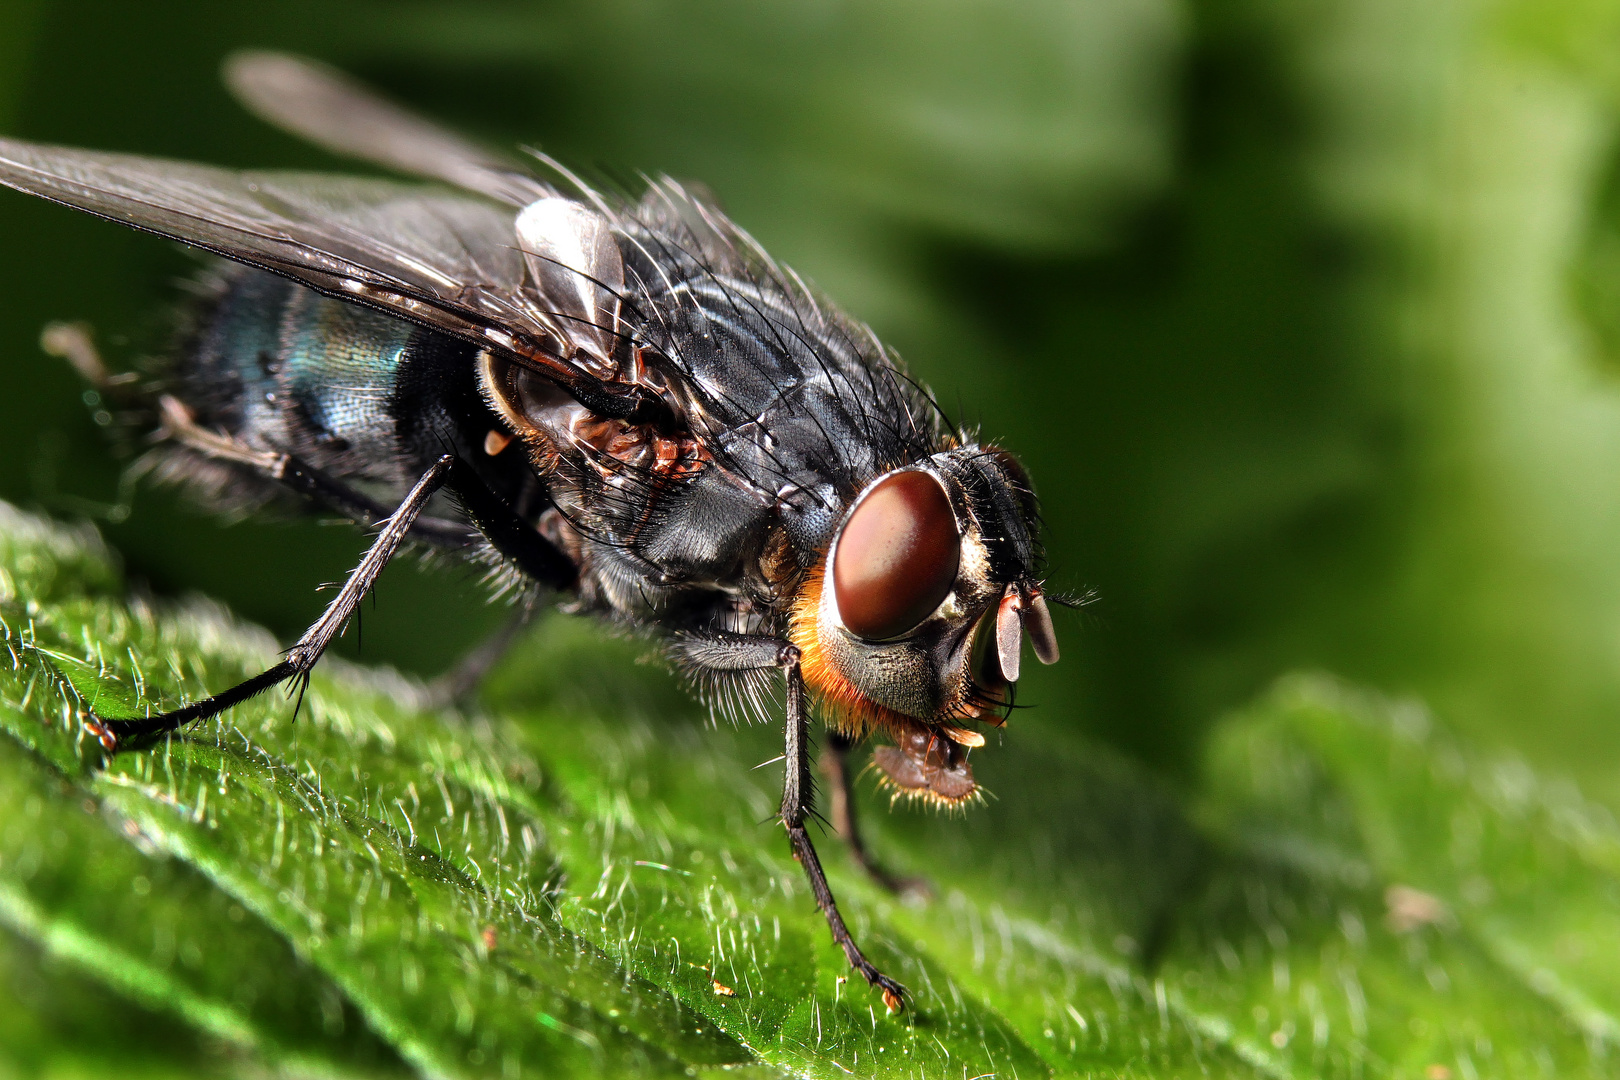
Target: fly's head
[916, 622]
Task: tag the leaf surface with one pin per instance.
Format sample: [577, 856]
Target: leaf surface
[588, 880]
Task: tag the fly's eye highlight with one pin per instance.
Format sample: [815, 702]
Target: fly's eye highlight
[897, 556]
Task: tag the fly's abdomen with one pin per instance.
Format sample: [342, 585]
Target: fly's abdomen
[338, 370]
[284, 369]
[365, 398]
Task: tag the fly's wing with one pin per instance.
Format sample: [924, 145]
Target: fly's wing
[333, 111]
[448, 261]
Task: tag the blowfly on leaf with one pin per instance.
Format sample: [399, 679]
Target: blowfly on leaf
[623, 404]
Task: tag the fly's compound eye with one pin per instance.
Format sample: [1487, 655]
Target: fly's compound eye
[897, 557]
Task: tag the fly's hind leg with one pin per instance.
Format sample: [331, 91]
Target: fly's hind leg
[462, 681]
[841, 793]
[301, 658]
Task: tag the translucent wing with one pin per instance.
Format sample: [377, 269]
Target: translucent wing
[445, 260]
[333, 111]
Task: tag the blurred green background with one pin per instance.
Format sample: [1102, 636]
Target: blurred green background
[1305, 316]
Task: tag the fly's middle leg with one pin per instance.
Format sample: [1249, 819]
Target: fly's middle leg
[841, 796]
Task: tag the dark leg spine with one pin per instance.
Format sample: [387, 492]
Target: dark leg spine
[301, 658]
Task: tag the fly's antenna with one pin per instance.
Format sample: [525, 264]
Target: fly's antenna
[1084, 603]
[1074, 600]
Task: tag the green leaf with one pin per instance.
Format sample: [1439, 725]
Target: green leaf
[76, 881]
[587, 880]
[60, 1021]
[1399, 901]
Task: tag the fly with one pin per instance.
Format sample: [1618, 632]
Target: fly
[624, 403]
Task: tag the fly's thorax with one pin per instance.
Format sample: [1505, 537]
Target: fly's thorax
[660, 524]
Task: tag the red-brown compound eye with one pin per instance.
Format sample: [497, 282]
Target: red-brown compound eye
[897, 556]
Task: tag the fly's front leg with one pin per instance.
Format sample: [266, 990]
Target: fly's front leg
[841, 794]
[797, 799]
[714, 653]
[303, 655]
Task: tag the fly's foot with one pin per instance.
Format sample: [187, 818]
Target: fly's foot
[894, 995]
[102, 732]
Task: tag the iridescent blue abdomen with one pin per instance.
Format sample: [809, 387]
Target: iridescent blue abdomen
[287, 370]
[360, 395]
